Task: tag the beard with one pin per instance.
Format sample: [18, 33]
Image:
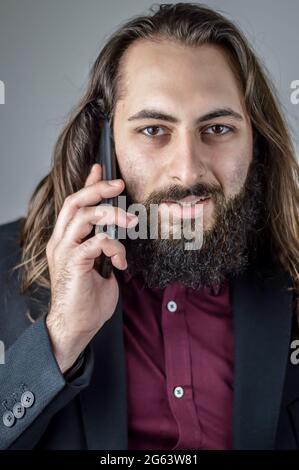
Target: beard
[227, 248]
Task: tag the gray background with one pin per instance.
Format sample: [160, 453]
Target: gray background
[48, 46]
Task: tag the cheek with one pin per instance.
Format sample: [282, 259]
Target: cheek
[238, 177]
[232, 164]
[231, 173]
[135, 172]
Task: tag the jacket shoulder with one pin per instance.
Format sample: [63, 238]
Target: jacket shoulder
[9, 240]
[36, 297]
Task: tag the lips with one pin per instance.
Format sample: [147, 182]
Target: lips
[188, 207]
[189, 200]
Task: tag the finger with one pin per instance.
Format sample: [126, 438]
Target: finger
[89, 196]
[86, 217]
[94, 176]
[88, 251]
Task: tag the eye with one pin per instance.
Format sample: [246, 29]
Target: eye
[217, 129]
[150, 134]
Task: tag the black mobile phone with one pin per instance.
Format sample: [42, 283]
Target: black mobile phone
[106, 157]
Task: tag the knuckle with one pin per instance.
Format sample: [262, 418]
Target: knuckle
[104, 213]
[69, 201]
[102, 236]
[84, 247]
[59, 253]
[102, 209]
[49, 248]
[69, 225]
[97, 188]
[120, 247]
[56, 255]
[119, 212]
[80, 212]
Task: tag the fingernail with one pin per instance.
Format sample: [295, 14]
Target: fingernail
[92, 168]
[132, 220]
[114, 182]
[131, 216]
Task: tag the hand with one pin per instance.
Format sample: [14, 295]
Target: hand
[81, 299]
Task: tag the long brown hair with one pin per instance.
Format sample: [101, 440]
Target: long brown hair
[192, 24]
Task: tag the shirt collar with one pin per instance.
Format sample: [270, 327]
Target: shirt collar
[215, 289]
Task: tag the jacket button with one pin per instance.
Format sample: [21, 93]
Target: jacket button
[18, 410]
[27, 399]
[8, 419]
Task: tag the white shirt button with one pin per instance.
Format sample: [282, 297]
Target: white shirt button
[178, 392]
[172, 306]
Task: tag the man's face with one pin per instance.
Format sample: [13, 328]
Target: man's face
[187, 84]
[191, 152]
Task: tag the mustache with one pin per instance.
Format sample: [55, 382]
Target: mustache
[176, 192]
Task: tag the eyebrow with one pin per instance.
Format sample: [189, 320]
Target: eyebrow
[156, 114]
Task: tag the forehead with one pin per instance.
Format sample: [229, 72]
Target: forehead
[155, 72]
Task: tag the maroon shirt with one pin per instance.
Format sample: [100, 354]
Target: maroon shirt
[179, 365]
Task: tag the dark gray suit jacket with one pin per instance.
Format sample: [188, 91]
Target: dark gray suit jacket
[90, 411]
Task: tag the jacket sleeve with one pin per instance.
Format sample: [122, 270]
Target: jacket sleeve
[32, 387]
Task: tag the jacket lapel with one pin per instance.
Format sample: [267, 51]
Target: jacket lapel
[262, 310]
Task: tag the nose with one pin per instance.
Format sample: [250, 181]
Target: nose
[187, 164]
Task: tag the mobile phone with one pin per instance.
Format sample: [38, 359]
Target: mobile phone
[106, 157]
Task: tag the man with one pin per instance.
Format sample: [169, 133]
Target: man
[178, 349]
